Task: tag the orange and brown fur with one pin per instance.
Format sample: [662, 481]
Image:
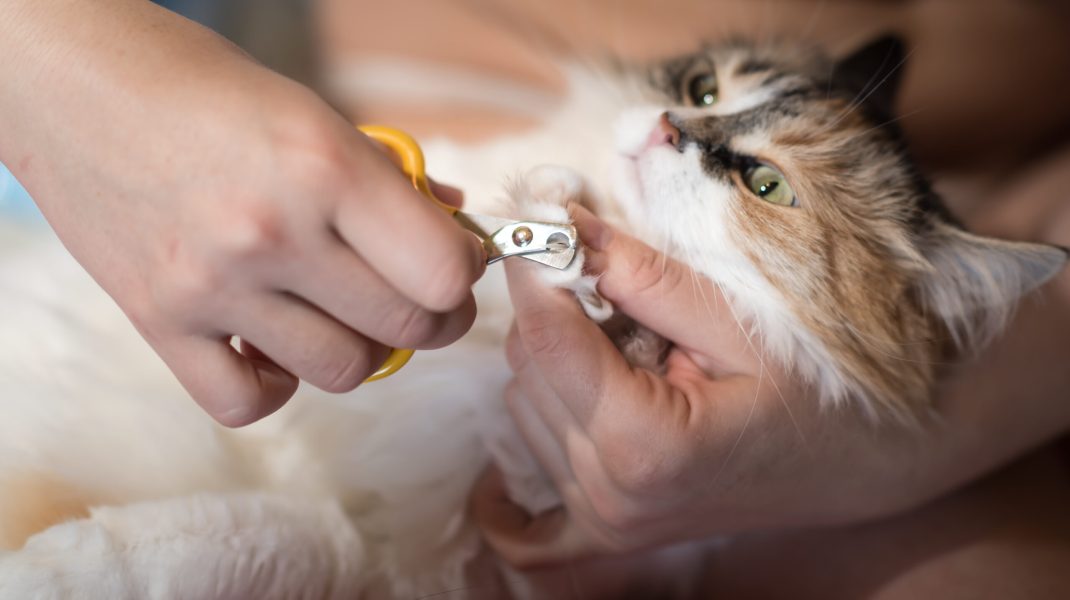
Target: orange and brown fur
[33, 502]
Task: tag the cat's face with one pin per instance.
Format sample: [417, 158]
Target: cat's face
[774, 172]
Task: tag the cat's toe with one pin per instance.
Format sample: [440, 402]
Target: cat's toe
[553, 184]
[543, 192]
[542, 195]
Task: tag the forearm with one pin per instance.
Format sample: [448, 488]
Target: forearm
[75, 73]
[106, 101]
[213, 198]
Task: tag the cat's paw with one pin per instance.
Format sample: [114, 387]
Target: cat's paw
[547, 185]
[526, 483]
[543, 194]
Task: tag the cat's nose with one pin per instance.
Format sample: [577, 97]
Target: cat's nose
[664, 133]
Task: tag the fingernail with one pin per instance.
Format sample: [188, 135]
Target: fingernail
[481, 256]
[446, 193]
[238, 416]
[594, 233]
[594, 262]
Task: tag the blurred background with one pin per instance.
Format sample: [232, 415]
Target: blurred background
[985, 90]
[279, 33]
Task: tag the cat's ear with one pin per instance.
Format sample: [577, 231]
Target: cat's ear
[873, 72]
[974, 282]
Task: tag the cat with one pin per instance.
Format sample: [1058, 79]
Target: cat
[772, 170]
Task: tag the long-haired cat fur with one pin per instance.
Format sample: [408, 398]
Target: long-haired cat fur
[772, 170]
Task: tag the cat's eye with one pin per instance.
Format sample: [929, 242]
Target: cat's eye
[770, 185]
[702, 89]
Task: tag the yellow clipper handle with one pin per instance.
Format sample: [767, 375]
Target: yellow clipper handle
[411, 157]
[412, 163]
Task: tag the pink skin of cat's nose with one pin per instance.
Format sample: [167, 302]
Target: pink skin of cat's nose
[664, 133]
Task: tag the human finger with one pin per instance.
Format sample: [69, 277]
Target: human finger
[448, 194]
[524, 541]
[342, 285]
[235, 388]
[546, 443]
[552, 431]
[647, 432]
[405, 237]
[515, 354]
[306, 342]
[575, 357]
[572, 460]
[665, 295]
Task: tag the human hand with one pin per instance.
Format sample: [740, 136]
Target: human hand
[211, 198]
[723, 442]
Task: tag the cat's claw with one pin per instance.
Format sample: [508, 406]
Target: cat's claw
[543, 194]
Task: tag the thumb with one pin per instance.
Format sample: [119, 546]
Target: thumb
[665, 295]
[577, 359]
[523, 540]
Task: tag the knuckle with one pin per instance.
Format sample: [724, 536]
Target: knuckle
[188, 290]
[305, 159]
[515, 355]
[310, 159]
[635, 470]
[340, 376]
[523, 561]
[177, 286]
[618, 517]
[318, 168]
[412, 326]
[648, 270]
[514, 399]
[542, 335]
[310, 150]
[449, 283]
[255, 229]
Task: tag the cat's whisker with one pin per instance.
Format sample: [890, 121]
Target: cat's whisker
[870, 341]
[697, 285]
[742, 431]
[762, 369]
[888, 122]
[869, 89]
[696, 289]
[794, 423]
[791, 415]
